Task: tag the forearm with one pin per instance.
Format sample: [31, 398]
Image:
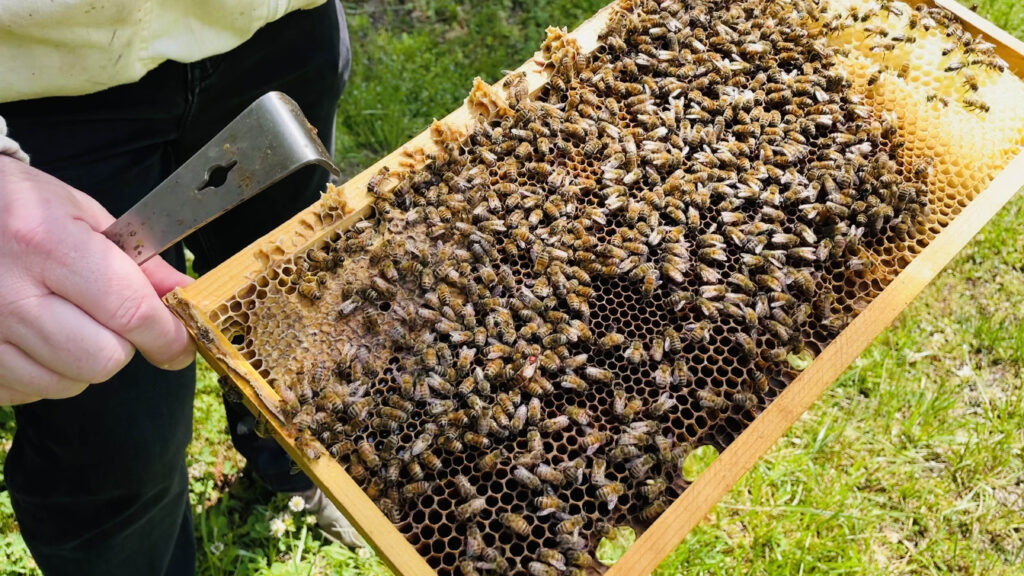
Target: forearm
[9, 147]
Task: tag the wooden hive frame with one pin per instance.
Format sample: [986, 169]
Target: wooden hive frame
[195, 303]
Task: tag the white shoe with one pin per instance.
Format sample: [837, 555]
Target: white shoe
[330, 520]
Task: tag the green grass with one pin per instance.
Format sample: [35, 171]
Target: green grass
[912, 463]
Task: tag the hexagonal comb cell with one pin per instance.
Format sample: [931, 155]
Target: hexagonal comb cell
[520, 346]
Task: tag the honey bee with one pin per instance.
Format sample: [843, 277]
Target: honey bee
[635, 353]
[992, 63]
[611, 340]
[494, 560]
[515, 523]
[534, 411]
[597, 471]
[599, 375]
[368, 455]
[680, 372]
[413, 469]
[518, 420]
[875, 77]
[552, 557]
[549, 504]
[310, 289]
[538, 386]
[652, 489]
[549, 475]
[923, 168]
[394, 414]
[570, 525]
[970, 80]
[744, 399]
[663, 376]
[578, 415]
[594, 440]
[663, 404]
[528, 480]
[640, 467]
[309, 446]
[491, 460]
[554, 424]
[467, 567]
[497, 351]
[883, 46]
[540, 569]
[712, 401]
[389, 508]
[746, 345]
[450, 443]
[415, 489]
[356, 470]
[976, 104]
[341, 449]
[555, 340]
[653, 510]
[476, 440]
[470, 509]
[580, 559]
[570, 542]
[957, 66]
[624, 407]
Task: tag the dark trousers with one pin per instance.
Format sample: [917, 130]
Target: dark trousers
[98, 481]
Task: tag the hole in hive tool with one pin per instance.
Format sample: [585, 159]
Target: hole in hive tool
[216, 176]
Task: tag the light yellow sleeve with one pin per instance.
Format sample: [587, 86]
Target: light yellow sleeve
[72, 47]
[9, 147]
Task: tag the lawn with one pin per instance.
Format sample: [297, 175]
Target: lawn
[912, 463]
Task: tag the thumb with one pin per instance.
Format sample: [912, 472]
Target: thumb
[163, 276]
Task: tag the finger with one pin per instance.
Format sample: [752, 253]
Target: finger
[61, 337]
[83, 206]
[91, 212]
[164, 277]
[13, 397]
[108, 285]
[25, 380]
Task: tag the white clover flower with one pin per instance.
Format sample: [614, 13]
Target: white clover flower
[197, 470]
[296, 504]
[310, 519]
[216, 548]
[277, 527]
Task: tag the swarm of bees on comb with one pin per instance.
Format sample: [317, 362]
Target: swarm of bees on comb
[515, 353]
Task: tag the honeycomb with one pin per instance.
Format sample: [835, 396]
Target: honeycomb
[514, 353]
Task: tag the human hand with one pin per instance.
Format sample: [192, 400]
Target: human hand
[74, 307]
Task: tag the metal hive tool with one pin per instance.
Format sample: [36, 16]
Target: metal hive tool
[746, 278]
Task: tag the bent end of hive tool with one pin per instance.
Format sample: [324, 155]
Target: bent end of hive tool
[266, 142]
